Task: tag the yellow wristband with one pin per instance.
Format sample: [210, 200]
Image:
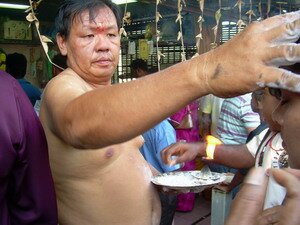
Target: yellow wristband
[210, 150]
[211, 146]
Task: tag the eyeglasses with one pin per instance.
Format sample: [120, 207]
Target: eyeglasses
[276, 92]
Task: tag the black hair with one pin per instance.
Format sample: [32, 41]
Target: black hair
[16, 65]
[70, 9]
[295, 68]
[139, 64]
[60, 60]
[258, 95]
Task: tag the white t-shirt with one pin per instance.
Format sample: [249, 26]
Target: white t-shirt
[254, 143]
[271, 154]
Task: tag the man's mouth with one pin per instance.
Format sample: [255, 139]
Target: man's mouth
[103, 62]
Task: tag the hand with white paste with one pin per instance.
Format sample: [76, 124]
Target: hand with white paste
[251, 59]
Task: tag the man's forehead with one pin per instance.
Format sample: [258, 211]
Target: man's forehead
[102, 17]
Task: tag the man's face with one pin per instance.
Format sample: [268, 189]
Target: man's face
[93, 46]
[288, 116]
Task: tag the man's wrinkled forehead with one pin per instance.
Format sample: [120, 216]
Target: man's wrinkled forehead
[101, 18]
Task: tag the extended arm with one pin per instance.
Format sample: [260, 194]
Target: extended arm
[236, 156]
[117, 113]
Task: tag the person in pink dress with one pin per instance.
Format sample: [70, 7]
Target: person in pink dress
[185, 202]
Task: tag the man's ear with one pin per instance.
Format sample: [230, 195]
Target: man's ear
[259, 105]
[61, 44]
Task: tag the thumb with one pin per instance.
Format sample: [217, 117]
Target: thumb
[250, 197]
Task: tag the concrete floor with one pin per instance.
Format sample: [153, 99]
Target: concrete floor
[199, 216]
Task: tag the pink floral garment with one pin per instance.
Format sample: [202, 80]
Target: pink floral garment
[186, 201]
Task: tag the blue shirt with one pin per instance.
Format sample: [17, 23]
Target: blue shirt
[156, 139]
[31, 91]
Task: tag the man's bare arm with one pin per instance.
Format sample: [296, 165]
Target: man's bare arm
[117, 113]
[236, 156]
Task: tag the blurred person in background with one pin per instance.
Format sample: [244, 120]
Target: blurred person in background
[16, 65]
[27, 193]
[60, 64]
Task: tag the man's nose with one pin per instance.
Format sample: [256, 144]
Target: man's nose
[101, 43]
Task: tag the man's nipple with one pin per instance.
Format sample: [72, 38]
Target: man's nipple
[109, 152]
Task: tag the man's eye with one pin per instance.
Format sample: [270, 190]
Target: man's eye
[284, 100]
[276, 93]
[90, 36]
[112, 35]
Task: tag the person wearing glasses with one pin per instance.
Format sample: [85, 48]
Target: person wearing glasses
[287, 116]
[264, 150]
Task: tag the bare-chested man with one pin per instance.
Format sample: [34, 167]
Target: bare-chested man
[93, 127]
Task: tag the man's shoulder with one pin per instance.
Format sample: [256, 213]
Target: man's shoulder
[68, 77]
[67, 82]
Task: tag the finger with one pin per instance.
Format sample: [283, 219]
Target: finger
[167, 152]
[282, 28]
[250, 197]
[270, 216]
[275, 21]
[284, 54]
[289, 181]
[164, 156]
[293, 171]
[289, 215]
[173, 157]
[279, 78]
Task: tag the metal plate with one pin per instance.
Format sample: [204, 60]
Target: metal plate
[187, 181]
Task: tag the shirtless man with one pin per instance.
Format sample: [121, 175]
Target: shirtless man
[93, 127]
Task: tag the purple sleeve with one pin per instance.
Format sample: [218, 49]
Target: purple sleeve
[26, 190]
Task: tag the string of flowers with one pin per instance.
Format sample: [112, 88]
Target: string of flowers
[260, 10]
[157, 18]
[126, 19]
[280, 6]
[240, 23]
[250, 12]
[180, 33]
[31, 17]
[268, 7]
[200, 21]
[218, 16]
